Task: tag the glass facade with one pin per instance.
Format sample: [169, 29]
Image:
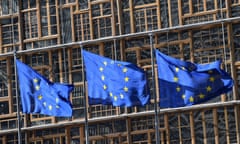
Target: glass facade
[47, 35]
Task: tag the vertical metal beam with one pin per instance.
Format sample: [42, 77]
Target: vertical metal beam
[166, 124]
[128, 126]
[39, 24]
[169, 13]
[180, 12]
[132, 21]
[237, 117]
[204, 127]
[20, 25]
[226, 124]
[63, 41]
[113, 21]
[1, 43]
[193, 136]
[215, 125]
[190, 6]
[119, 14]
[115, 49]
[90, 22]
[179, 128]
[158, 15]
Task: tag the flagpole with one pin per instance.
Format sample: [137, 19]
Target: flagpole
[154, 90]
[17, 101]
[85, 98]
[16, 78]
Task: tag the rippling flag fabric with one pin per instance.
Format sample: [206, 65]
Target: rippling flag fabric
[40, 96]
[113, 82]
[184, 83]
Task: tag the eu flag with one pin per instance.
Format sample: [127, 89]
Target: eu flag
[39, 95]
[114, 83]
[184, 83]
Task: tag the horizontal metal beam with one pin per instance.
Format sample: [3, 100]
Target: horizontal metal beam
[124, 116]
[131, 35]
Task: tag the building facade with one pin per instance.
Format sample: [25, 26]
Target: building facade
[48, 35]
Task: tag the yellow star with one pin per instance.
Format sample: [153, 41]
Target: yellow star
[35, 80]
[126, 89]
[103, 77]
[201, 96]
[104, 87]
[183, 96]
[212, 79]
[115, 98]
[50, 107]
[37, 87]
[40, 97]
[175, 79]
[105, 63]
[44, 104]
[125, 70]
[121, 96]
[110, 94]
[209, 89]
[126, 79]
[177, 69]
[178, 89]
[57, 100]
[101, 69]
[191, 99]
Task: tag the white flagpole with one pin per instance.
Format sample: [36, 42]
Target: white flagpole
[85, 99]
[154, 90]
[17, 101]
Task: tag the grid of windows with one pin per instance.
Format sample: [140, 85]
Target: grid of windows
[82, 27]
[30, 24]
[36, 24]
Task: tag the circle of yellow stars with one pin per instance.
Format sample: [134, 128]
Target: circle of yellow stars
[201, 95]
[40, 97]
[105, 87]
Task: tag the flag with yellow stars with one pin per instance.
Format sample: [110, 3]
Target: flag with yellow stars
[113, 82]
[40, 96]
[184, 83]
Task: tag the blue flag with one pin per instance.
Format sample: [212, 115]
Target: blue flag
[184, 83]
[114, 83]
[39, 95]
